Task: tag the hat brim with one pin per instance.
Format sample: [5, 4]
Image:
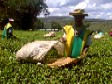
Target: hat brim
[78, 14]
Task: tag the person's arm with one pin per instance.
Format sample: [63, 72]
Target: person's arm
[63, 38]
[9, 32]
[88, 43]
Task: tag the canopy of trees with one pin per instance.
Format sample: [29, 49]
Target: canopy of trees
[24, 12]
[55, 25]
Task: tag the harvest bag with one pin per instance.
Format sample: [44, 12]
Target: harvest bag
[79, 43]
[36, 51]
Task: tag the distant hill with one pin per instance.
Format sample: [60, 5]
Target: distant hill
[64, 18]
[96, 24]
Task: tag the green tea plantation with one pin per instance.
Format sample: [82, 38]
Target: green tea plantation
[96, 68]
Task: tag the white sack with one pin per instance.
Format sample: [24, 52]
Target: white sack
[98, 36]
[36, 51]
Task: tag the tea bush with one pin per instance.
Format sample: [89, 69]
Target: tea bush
[96, 68]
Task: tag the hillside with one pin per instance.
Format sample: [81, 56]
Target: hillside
[64, 18]
[95, 24]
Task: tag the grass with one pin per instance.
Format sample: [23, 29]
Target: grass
[96, 68]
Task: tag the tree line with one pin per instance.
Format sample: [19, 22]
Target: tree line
[24, 12]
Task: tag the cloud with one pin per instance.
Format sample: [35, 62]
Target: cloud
[107, 6]
[56, 3]
[71, 3]
[95, 8]
[81, 5]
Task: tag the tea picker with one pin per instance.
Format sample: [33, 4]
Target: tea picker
[8, 29]
[76, 38]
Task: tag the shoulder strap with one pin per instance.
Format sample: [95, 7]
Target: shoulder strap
[69, 36]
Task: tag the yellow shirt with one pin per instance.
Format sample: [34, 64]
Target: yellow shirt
[8, 25]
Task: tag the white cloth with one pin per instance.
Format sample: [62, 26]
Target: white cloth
[36, 51]
[98, 36]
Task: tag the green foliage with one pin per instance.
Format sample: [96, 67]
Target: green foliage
[87, 24]
[96, 68]
[105, 25]
[38, 25]
[55, 25]
[23, 11]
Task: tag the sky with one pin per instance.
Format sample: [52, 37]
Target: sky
[97, 9]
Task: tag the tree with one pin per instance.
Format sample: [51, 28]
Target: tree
[23, 11]
[46, 13]
[38, 24]
[55, 25]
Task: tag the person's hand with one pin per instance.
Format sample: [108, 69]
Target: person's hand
[85, 50]
[63, 39]
[83, 53]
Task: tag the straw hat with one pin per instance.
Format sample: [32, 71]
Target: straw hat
[78, 12]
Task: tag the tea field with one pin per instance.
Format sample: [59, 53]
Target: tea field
[96, 68]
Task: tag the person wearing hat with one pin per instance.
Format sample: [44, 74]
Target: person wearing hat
[76, 39]
[8, 30]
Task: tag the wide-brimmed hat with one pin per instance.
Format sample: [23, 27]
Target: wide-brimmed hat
[78, 12]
